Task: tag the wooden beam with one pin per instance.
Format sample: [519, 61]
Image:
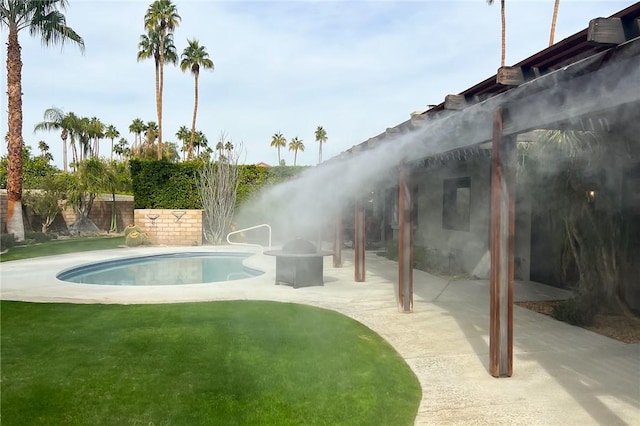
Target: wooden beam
[405, 243]
[606, 31]
[510, 76]
[360, 242]
[337, 242]
[455, 102]
[502, 251]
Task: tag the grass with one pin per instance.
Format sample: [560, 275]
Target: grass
[223, 363]
[53, 247]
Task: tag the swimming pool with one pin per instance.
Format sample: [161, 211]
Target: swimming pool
[163, 269]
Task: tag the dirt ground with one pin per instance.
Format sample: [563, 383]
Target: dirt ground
[614, 326]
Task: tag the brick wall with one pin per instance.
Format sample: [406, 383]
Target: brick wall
[170, 227]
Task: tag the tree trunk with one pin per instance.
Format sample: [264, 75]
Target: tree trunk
[157, 102]
[553, 22]
[159, 95]
[503, 17]
[320, 153]
[193, 122]
[15, 223]
[64, 149]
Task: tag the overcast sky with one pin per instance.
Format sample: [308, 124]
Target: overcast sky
[353, 67]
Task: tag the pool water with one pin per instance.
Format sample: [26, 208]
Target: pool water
[164, 269]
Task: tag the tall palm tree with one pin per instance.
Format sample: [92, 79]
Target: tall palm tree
[56, 119]
[111, 133]
[184, 135]
[96, 131]
[74, 129]
[556, 6]
[122, 148]
[44, 151]
[137, 127]
[83, 128]
[150, 135]
[278, 141]
[321, 137]
[43, 19]
[161, 18]
[195, 57]
[296, 145]
[200, 141]
[503, 18]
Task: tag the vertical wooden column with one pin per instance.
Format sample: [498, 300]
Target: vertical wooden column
[337, 242]
[502, 251]
[405, 243]
[359, 242]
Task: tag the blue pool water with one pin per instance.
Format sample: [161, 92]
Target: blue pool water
[163, 269]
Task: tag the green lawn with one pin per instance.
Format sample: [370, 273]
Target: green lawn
[72, 245]
[220, 363]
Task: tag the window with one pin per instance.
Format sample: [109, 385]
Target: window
[455, 204]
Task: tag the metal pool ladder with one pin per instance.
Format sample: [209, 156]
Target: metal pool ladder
[264, 225]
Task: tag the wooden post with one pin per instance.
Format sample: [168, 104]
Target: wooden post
[360, 241]
[405, 243]
[502, 250]
[337, 242]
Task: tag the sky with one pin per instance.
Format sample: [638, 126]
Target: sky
[353, 67]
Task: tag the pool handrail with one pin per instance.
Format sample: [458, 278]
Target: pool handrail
[249, 229]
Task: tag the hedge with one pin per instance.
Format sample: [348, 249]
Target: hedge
[160, 184]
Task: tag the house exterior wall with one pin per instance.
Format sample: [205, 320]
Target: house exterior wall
[465, 251]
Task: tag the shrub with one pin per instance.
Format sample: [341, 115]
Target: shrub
[37, 237]
[392, 250]
[136, 239]
[131, 228]
[579, 310]
[7, 241]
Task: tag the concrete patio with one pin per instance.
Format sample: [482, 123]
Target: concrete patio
[562, 374]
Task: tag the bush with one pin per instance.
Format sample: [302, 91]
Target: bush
[37, 237]
[136, 239]
[7, 241]
[392, 250]
[579, 310]
[131, 228]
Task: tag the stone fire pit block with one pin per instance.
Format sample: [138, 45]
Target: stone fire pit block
[299, 264]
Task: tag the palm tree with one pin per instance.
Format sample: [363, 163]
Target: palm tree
[553, 22]
[161, 18]
[121, 148]
[200, 141]
[150, 135]
[74, 128]
[111, 133]
[184, 135]
[56, 119]
[321, 137]
[278, 141]
[194, 57]
[504, 31]
[43, 19]
[296, 145]
[43, 147]
[95, 130]
[136, 127]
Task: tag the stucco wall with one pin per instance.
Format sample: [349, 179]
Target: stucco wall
[466, 251]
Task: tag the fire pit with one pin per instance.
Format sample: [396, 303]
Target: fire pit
[299, 263]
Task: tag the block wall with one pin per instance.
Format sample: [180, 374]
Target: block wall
[170, 227]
